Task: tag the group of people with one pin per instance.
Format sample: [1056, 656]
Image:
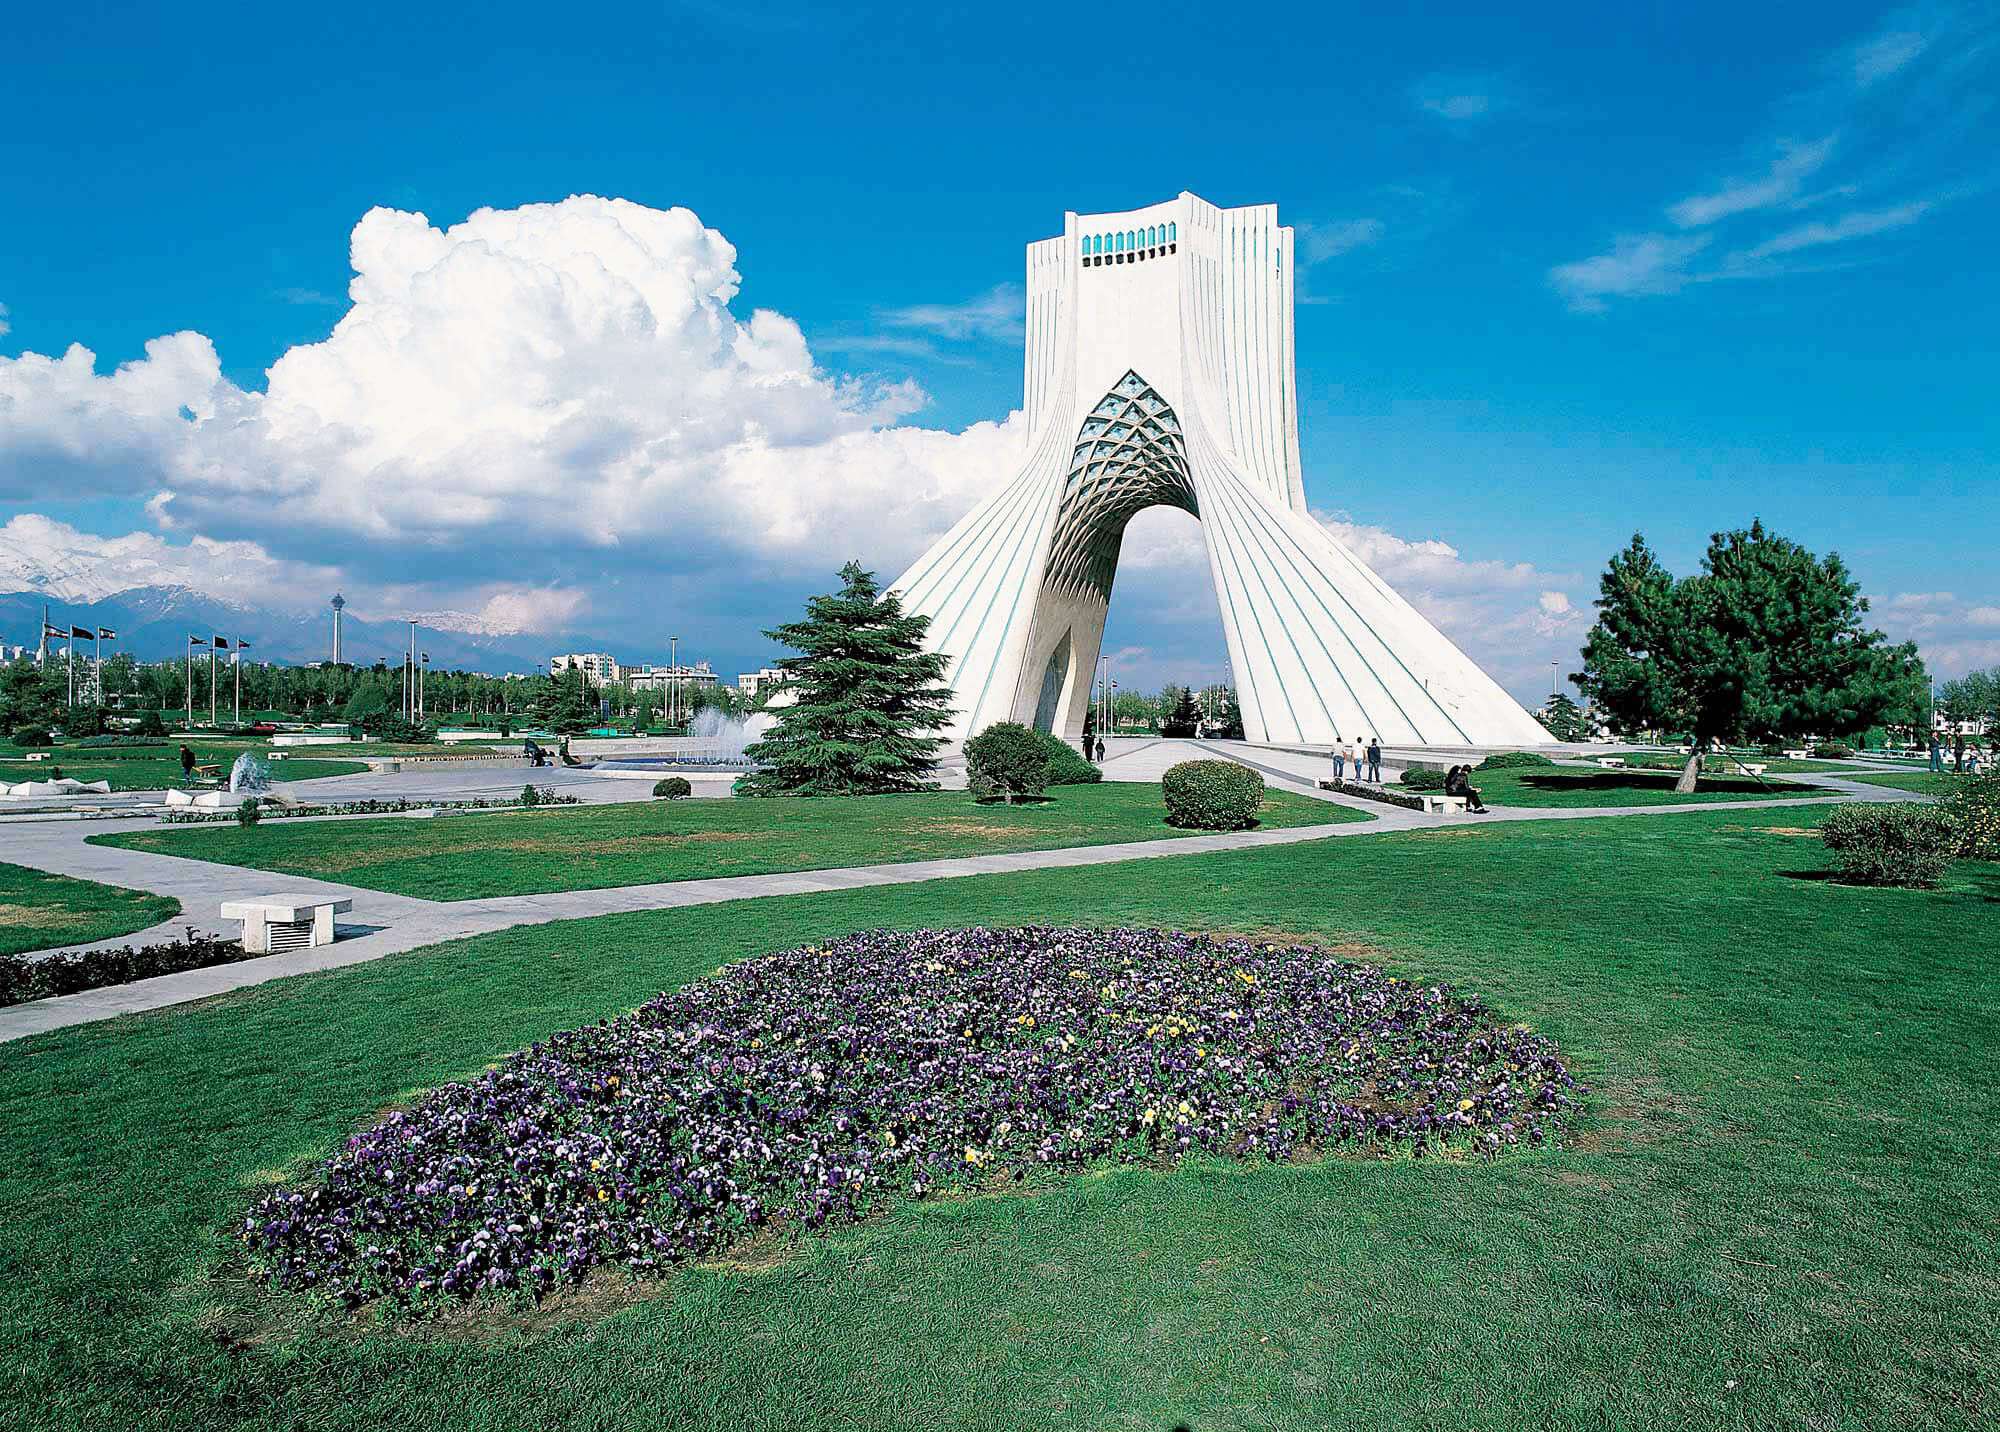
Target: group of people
[1093, 749]
[1967, 760]
[1458, 782]
[1345, 756]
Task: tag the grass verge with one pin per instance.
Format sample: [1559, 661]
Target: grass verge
[594, 847]
[40, 911]
[1781, 1215]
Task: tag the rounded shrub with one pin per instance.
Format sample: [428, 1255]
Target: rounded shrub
[1416, 778]
[150, 724]
[1066, 766]
[29, 737]
[530, 796]
[1007, 760]
[1833, 751]
[249, 813]
[673, 788]
[1892, 843]
[1512, 760]
[1212, 795]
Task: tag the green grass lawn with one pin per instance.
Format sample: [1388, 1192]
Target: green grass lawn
[39, 911]
[1567, 786]
[1926, 782]
[160, 773]
[592, 847]
[1782, 1213]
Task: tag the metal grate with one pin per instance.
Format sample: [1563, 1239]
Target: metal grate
[290, 934]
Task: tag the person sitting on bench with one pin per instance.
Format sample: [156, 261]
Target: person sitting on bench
[535, 754]
[1458, 782]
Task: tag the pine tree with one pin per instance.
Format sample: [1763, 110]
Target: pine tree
[1563, 720]
[1765, 642]
[567, 705]
[868, 698]
[1183, 717]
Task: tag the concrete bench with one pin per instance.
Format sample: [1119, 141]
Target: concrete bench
[277, 923]
[1443, 805]
[1612, 763]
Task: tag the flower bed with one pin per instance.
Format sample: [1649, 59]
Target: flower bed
[1367, 792]
[805, 1088]
[544, 796]
[30, 977]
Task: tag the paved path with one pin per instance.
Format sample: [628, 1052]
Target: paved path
[382, 924]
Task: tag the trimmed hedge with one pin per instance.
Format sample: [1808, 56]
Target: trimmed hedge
[673, 788]
[1212, 795]
[1416, 778]
[31, 737]
[23, 977]
[1511, 760]
[1900, 843]
[1007, 760]
[1066, 767]
[1833, 751]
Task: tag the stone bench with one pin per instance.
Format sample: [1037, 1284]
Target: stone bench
[277, 923]
[1442, 805]
[1611, 763]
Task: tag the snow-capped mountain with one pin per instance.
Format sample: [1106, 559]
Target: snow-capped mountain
[154, 623]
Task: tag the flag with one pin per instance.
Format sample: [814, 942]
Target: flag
[106, 634]
[243, 646]
[54, 631]
[85, 632]
[222, 643]
[194, 641]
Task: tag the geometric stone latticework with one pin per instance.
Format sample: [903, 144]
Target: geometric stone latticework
[1160, 371]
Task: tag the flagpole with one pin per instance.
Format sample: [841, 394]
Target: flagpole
[69, 660]
[236, 665]
[190, 679]
[211, 682]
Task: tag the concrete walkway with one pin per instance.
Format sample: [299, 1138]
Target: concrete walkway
[382, 924]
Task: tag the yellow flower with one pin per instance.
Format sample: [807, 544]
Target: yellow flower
[1150, 1117]
[595, 1165]
[889, 1138]
[1464, 1104]
[602, 1195]
[1186, 1107]
[1246, 977]
[1200, 1052]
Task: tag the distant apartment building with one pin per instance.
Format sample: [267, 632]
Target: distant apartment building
[751, 684]
[598, 667]
[655, 678]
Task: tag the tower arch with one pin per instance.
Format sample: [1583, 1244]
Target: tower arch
[1172, 382]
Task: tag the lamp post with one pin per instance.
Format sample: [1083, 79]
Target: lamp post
[674, 675]
[422, 671]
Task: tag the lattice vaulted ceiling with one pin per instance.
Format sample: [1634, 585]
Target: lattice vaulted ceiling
[1129, 456]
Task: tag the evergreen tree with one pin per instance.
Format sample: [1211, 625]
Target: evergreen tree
[868, 698]
[1183, 716]
[1563, 720]
[1967, 705]
[567, 706]
[1764, 643]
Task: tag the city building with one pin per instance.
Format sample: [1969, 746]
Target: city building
[750, 684]
[1160, 370]
[654, 678]
[598, 667]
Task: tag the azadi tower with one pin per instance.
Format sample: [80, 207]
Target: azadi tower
[1160, 370]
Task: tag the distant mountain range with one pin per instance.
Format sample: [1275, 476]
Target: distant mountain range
[154, 623]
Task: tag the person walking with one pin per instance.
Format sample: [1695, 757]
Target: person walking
[1374, 762]
[1340, 763]
[1937, 755]
[1100, 748]
[187, 762]
[1353, 758]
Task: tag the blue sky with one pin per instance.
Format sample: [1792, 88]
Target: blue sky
[1611, 268]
